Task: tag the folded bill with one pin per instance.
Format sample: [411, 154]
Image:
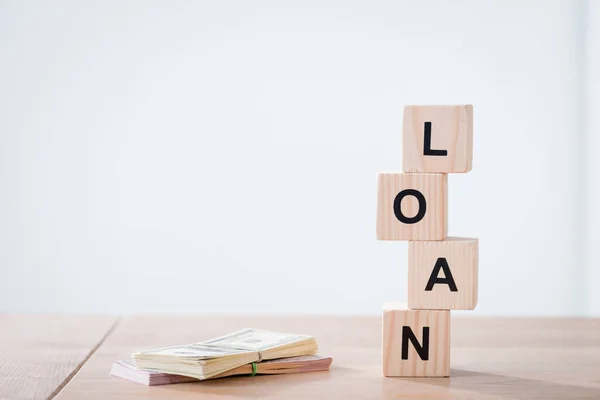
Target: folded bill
[126, 369]
[212, 357]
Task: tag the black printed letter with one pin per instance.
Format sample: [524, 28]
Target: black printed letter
[441, 263]
[422, 206]
[423, 351]
[427, 143]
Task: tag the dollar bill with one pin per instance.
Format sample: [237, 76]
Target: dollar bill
[196, 351]
[254, 340]
[126, 369]
[212, 357]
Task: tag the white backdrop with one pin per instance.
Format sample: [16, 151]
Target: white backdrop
[222, 156]
[591, 161]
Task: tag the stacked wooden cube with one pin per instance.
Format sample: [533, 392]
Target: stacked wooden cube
[442, 271]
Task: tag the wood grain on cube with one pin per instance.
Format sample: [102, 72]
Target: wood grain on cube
[443, 274]
[450, 133]
[433, 225]
[429, 356]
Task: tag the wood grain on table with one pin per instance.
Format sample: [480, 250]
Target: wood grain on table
[38, 353]
[491, 358]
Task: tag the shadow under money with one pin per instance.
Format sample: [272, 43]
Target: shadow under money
[247, 386]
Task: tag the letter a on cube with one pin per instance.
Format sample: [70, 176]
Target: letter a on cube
[443, 275]
[437, 139]
[412, 206]
[415, 343]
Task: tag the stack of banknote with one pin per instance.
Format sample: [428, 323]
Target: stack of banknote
[246, 352]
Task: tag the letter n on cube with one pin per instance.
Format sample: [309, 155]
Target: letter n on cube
[415, 342]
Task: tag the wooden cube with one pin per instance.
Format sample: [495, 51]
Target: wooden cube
[412, 206]
[415, 342]
[437, 139]
[443, 275]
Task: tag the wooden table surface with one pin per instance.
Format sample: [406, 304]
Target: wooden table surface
[69, 357]
[39, 353]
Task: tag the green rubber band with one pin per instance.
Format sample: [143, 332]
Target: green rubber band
[254, 368]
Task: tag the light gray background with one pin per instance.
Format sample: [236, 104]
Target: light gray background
[222, 156]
